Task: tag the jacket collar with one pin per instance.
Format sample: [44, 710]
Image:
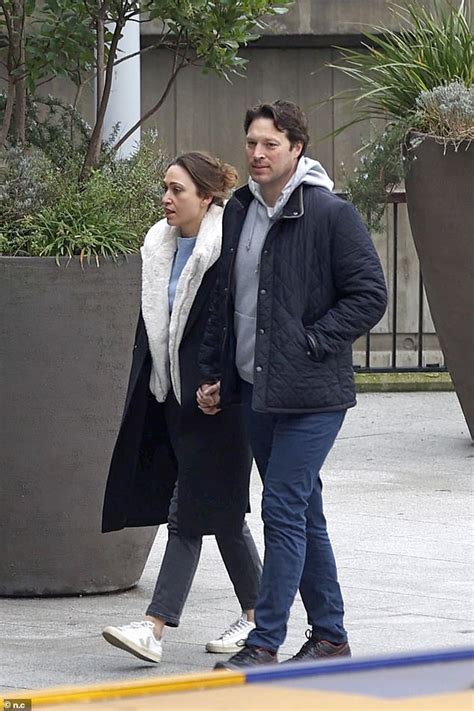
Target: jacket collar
[294, 207]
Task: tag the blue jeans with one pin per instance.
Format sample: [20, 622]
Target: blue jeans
[289, 450]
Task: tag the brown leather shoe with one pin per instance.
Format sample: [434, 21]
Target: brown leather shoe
[317, 649]
[249, 657]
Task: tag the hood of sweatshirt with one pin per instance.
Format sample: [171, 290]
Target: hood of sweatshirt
[258, 221]
[308, 171]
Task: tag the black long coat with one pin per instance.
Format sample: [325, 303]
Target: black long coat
[209, 455]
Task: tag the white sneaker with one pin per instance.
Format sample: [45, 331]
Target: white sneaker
[233, 638]
[136, 638]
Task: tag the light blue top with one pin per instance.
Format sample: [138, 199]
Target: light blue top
[184, 250]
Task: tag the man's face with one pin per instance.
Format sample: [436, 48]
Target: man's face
[270, 156]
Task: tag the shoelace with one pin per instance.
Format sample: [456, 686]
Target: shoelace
[245, 653]
[239, 624]
[304, 648]
[138, 625]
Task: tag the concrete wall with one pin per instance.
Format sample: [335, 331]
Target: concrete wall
[326, 17]
[206, 112]
[335, 17]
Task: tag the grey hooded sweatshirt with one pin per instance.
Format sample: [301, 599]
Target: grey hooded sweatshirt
[260, 218]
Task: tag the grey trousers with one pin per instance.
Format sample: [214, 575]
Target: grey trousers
[180, 562]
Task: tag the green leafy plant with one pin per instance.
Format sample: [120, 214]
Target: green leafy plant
[27, 182]
[381, 169]
[43, 40]
[205, 33]
[51, 214]
[50, 38]
[417, 79]
[432, 48]
[81, 198]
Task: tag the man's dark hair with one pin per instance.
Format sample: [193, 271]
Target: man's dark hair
[287, 117]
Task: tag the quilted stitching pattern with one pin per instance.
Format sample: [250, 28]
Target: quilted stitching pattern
[319, 273]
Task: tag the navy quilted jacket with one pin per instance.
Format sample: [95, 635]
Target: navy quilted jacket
[321, 286]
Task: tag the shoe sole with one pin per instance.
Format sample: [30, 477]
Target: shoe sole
[223, 666]
[319, 658]
[219, 649]
[220, 666]
[116, 640]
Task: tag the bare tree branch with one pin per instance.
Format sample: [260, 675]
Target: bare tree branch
[45, 81]
[93, 150]
[156, 45]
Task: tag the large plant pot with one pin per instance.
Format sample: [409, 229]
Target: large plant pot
[440, 200]
[65, 348]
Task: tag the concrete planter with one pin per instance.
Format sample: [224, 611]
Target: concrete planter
[65, 348]
[441, 211]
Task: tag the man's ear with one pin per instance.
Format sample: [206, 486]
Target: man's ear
[298, 148]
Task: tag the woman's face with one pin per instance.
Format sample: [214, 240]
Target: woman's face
[184, 208]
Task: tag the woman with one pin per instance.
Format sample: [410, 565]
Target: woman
[171, 462]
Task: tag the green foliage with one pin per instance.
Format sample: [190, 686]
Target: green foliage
[431, 49]
[47, 210]
[51, 215]
[418, 78]
[27, 182]
[56, 128]
[213, 30]
[60, 41]
[382, 167]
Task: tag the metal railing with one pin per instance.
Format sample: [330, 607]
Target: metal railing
[427, 359]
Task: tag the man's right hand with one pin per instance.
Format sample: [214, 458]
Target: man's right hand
[208, 398]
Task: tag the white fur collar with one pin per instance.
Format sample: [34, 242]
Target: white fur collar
[165, 333]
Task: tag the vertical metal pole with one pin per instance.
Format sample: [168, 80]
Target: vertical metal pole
[395, 285]
[367, 337]
[420, 319]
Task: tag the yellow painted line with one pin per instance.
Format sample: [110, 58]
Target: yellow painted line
[104, 692]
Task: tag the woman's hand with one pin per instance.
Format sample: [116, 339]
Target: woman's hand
[208, 398]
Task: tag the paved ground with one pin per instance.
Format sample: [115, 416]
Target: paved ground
[398, 492]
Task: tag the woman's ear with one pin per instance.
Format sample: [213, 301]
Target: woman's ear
[206, 200]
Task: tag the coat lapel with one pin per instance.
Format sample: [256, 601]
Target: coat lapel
[205, 254]
[165, 333]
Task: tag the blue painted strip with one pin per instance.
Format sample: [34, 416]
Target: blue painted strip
[302, 669]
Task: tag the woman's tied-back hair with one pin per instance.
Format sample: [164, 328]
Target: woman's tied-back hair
[210, 175]
[287, 117]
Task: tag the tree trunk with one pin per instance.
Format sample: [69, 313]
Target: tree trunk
[19, 112]
[93, 150]
[7, 117]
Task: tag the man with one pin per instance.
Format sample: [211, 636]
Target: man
[300, 280]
